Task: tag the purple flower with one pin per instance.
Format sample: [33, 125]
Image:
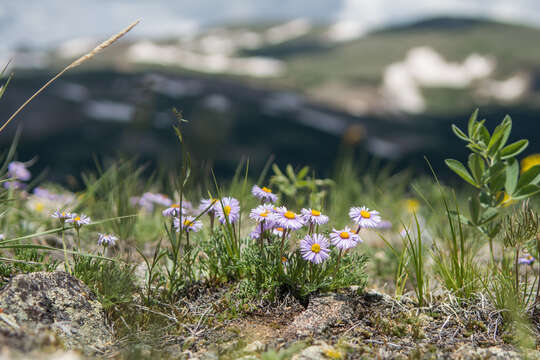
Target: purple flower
[344, 239]
[157, 198]
[18, 170]
[384, 225]
[527, 259]
[14, 184]
[106, 239]
[188, 224]
[264, 194]
[78, 220]
[62, 215]
[364, 217]
[279, 231]
[261, 213]
[208, 205]
[314, 217]
[287, 219]
[229, 208]
[173, 210]
[314, 248]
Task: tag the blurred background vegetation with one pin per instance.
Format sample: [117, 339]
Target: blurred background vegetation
[301, 82]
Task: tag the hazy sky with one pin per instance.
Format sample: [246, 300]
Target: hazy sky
[43, 22]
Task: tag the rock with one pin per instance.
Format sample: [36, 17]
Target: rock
[468, 352]
[254, 346]
[322, 351]
[51, 309]
[322, 312]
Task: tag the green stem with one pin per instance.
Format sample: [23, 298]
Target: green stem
[66, 261]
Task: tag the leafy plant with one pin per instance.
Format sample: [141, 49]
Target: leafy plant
[299, 188]
[493, 170]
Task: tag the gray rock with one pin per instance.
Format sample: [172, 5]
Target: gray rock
[468, 352]
[54, 308]
[322, 312]
[322, 351]
[254, 346]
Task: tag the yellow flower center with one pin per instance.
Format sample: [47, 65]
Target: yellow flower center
[315, 213]
[40, 207]
[283, 259]
[289, 215]
[316, 248]
[176, 206]
[187, 223]
[264, 213]
[266, 190]
[279, 229]
[365, 214]
[78, 218]
[344, 235]
[227, 210]
[63, 214]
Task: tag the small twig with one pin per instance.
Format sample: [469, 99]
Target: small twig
[172, 318]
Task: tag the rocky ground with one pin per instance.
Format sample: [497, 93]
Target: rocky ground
[53, 315]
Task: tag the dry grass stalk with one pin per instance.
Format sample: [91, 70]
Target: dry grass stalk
[75, 63]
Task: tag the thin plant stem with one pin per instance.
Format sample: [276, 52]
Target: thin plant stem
[66, 261]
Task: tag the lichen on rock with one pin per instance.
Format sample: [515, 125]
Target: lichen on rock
[52, 303]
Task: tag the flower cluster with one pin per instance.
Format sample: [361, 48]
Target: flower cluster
[314, 247]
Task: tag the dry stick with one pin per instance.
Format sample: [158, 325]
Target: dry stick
[75, 63]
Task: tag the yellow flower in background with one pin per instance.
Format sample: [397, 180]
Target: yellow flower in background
[507, 200]
[412, 205]
[529, 161]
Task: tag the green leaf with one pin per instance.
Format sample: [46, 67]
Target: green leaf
[477, 167]
[526, 192]
[460, 134]
[474, 209]
[476, 129]
[290, 172]
[512, 174]
[459, 169]
[497, 183]
[531, 176]
[484, 134]
[514, 149]
[488, 215]
[472, 122]
[497, 138]
[302, 173]
[508, 122]
[276, 170]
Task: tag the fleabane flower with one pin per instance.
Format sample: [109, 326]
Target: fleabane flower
[264, 194]
[229, 208]
[314, 248]
[314, 217]
[287, 219]
[62, 215]
[208, 205]
[364, 217]
[188, 224]
[173, 211]
[157, 198]
[18, 170]
[78, 220]
[526, 260]
[279, 231]
[106, 239]
[344, 239]
[261, 213]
